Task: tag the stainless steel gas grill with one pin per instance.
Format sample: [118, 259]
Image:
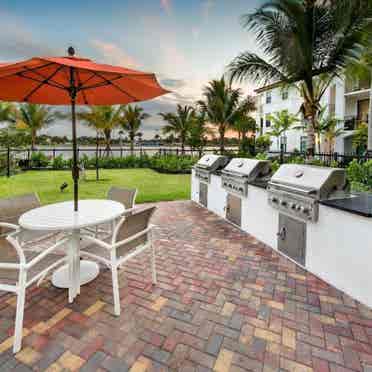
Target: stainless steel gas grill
[295, 190]
[240, 172]
[235, 178]
[209, 164]
[203, 170]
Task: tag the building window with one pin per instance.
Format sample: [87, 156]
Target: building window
[268, 122]
[268, 96]
[285, 94]
[283, 142]
[303, 141]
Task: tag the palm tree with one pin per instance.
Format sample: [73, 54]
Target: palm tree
[331, 132]
[103, 119]
[223, 106]
[243, 126]
[32, 118]
[199, 132]
[301, 40]
[280, 122]
[131, 122]
[179, 123]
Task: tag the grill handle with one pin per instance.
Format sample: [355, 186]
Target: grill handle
[296, 189]
[282, 234]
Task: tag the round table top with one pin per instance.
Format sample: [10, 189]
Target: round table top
[61, 216]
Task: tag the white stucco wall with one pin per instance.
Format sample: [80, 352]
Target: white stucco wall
[340, 251]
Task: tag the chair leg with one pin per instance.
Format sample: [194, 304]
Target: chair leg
[153, 265]
[115, 289]
[20, 312]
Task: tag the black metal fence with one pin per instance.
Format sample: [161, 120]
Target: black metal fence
[12, 158]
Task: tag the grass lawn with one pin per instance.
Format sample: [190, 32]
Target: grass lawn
[152, 186]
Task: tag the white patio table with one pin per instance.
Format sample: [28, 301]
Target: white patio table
[61, 217]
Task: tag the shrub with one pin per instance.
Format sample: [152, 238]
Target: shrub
[360, 175]
[173, 163]
[59, 163]
[39, 160]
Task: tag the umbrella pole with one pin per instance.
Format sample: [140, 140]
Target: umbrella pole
[75, 169]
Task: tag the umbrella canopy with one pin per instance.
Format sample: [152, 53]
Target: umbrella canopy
[74, 81]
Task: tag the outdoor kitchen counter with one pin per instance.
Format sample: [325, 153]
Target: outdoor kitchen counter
[360, 204]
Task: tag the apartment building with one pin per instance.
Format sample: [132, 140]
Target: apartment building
[347, 100]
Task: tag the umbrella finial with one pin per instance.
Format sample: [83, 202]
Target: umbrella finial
[71, 51]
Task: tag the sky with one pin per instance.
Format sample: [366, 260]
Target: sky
[185, 42]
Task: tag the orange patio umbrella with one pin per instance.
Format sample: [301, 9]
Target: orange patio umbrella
[74, 81]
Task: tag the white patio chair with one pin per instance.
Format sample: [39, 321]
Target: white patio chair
[131, 236]
[10, 211]
[127, 197]
[20, 268]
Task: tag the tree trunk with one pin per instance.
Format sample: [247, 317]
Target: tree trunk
[182, 146]
[108, 143]
[131, 136]
[369, 144]
[33, 140]
[222, 139]
[310, 143]
[97, 145]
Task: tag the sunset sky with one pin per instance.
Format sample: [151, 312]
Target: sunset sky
[186, 43]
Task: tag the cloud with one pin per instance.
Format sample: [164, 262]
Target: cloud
[113, 54]
[206, 8]
[166, 5]
[19, 42]
[172, 83]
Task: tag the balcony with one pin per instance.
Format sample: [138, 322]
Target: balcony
[354, 87]
[352, 122]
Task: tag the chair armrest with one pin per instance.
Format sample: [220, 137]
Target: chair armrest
[47, 251]
[9, 226]
[99, 242]
[133, 237]
[129, 211]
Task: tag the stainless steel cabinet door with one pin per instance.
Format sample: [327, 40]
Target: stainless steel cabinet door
[292, 238]
[234, 209]
[203, 194]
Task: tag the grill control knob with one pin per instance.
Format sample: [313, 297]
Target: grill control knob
[274, 199]
[293, 205]
[283, 203]
[304, 210]
[298, 207]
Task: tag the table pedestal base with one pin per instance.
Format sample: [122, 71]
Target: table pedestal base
[89, 270]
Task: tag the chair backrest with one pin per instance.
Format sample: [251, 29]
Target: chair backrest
[131, 225]
[12, 208]
[124, 196]
[8, 254]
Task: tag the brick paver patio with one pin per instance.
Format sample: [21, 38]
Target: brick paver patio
[224, 302]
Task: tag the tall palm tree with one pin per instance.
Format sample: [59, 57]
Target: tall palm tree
[243, 126]
[131, 121]
[223, 106]
[281, 121]
[179, 123]
[32, 118]
[199, 132]
[103, 119]
[303, 39]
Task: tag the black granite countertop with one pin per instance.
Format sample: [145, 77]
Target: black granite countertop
[360, 204]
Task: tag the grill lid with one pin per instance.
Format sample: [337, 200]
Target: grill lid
[249, 168]
[211, 162]
[310, 180]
